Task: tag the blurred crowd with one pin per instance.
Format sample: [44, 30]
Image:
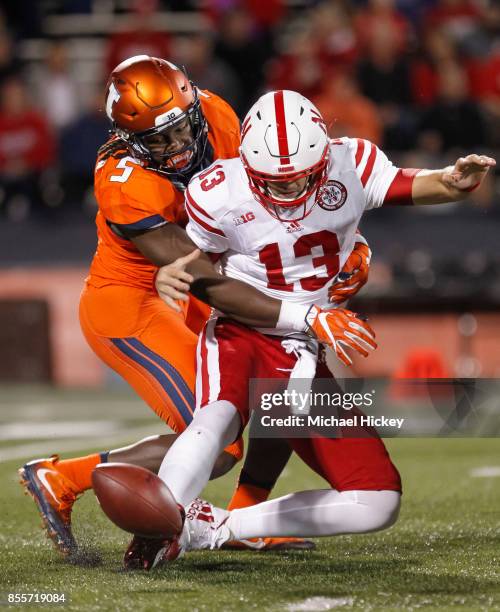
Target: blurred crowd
[419, 78]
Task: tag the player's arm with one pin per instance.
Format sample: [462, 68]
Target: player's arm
[174, 283]
[453, 183]
[234, 298]
[340, 329]
[386, 185]
[128, 213]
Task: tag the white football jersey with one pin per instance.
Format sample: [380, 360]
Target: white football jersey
[298, 260]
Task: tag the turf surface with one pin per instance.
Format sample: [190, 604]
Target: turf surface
[444, 553]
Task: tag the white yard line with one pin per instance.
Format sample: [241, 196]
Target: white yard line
[486, 471]
[52, 410]
[317, 604]
[106, 442]
[29, 430]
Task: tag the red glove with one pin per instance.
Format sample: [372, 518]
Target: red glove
[353, 275]
[339, 328]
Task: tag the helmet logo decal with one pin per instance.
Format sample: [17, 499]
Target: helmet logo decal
[317, 118]
[113, 96]
[245, 127]
[279, 108]
[332, 195]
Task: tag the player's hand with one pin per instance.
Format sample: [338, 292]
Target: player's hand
[468, 172]
[172, 282]
[353, 275]
[341, 329]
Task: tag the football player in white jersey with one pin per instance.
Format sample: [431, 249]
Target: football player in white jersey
[283, 217]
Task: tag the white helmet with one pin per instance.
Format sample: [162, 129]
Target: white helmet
[283, 141]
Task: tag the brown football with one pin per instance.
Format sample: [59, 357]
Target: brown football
[136, 500]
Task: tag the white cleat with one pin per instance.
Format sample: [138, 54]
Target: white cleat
[205, 526]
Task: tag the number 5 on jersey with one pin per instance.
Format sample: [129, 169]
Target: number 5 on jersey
[127, 171]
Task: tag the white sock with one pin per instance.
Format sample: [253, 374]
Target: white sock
[188, 463]
[317, 513]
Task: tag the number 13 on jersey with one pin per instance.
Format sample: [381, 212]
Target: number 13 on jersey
[270, 256]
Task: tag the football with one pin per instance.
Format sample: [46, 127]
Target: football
[136, 500]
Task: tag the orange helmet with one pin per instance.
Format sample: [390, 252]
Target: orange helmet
[146, 96]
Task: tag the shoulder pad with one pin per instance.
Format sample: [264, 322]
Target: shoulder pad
[211, 188]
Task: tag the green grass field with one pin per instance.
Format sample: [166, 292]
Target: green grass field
[444, 553]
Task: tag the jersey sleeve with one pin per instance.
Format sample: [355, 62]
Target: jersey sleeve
[383, 183]
[132, 199]
[202, 228]
[224, 132]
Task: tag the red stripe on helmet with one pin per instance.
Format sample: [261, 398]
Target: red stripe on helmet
[246, 126]
[317, 118]
[205, 386]
[279, 108]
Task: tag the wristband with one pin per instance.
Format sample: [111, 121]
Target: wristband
[293, 316]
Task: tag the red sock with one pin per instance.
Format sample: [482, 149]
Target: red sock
[247, 495]
[79, 470]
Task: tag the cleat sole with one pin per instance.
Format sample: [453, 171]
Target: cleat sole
[44, 509]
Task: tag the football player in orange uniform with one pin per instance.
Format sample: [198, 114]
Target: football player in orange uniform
[165, 131]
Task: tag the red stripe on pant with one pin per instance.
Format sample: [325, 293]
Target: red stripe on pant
[203, 369]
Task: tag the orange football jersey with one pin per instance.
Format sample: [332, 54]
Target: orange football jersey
[134, 198]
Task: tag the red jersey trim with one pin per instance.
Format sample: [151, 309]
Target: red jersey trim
[197, 206]
[214, 257]
[369, 165]
[189, 204]
[399, 193]
[359, 151]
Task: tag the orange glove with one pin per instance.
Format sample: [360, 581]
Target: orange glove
[353, 275]
[339, 328]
